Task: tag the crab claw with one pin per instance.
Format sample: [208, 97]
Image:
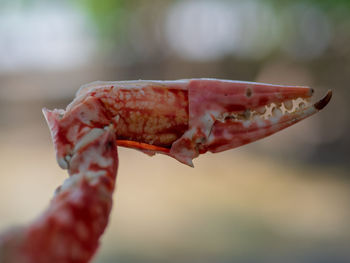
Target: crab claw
[182, 118]
[228, 114]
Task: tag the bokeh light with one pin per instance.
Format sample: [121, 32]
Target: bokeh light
[43, 37]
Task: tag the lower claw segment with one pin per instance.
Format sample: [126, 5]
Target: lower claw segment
[182, 118]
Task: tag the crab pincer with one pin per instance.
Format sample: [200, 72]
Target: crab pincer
[182, 118]
[227, 114]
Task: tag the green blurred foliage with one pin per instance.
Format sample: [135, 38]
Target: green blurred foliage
[321, 3]
[109, 16]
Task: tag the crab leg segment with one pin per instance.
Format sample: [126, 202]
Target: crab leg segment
[146, 115]
[70, 229]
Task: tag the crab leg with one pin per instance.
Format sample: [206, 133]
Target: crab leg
[181, 119]
[70, 229]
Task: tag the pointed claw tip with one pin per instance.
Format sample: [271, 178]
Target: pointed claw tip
[324, 101]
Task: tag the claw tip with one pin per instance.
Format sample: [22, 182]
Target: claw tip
[324, 101]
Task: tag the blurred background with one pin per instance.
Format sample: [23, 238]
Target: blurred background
[283, 199]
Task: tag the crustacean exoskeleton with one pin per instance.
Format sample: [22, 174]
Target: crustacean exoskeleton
[182, 119]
